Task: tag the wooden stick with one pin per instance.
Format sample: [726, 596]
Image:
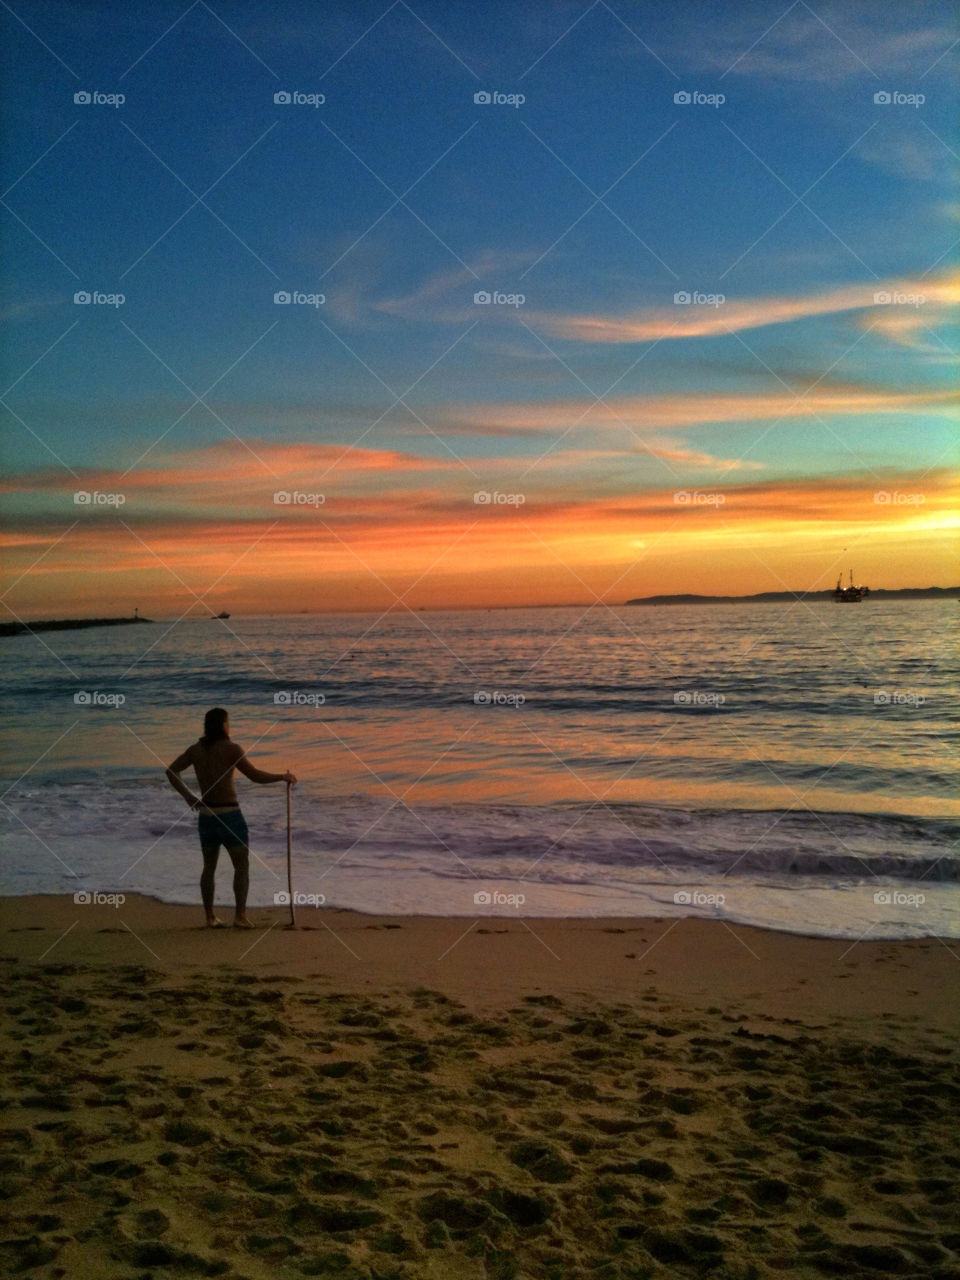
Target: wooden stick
[293, 918]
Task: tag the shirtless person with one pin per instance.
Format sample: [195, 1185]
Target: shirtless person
[214, 758]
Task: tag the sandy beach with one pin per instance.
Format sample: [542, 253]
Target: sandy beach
[383, 1097]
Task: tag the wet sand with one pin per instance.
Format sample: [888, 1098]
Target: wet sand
[415, 1097]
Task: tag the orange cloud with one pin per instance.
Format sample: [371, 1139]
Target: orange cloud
[736, 538]
[236, 470]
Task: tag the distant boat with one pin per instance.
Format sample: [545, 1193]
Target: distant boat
[849, 594]
[221, 615]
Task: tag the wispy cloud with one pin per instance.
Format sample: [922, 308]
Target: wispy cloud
[444, 297]
[645, 413]
[28, 309]
[697, 458]
[913, 328]
[819, 43]
[909, 152]
[736, 314]
[232, 471]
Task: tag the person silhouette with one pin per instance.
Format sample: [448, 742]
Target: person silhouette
[214, 758]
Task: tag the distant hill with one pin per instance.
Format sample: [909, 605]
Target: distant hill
[778, 597]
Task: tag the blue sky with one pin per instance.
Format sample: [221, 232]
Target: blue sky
[599, 198]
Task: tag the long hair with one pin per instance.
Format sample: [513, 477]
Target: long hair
[214, 730]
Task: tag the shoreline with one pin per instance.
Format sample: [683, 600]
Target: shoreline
[483, 962]
[818, 912]
[308, 915]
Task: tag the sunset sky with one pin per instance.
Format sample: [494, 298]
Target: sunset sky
[795, 417]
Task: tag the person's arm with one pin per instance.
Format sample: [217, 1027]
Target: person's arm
[174, 771]
[258, 775]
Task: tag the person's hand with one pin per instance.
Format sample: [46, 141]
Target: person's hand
[290, 778]
[197, 804]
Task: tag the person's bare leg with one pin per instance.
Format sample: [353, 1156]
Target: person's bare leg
[240, 858]
[210, 855]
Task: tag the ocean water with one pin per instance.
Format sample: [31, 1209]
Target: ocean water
[788, 765]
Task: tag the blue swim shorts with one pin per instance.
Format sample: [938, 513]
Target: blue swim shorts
[227, 829]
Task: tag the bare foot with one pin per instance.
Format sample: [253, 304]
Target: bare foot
[214, 923]
[241, 922]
